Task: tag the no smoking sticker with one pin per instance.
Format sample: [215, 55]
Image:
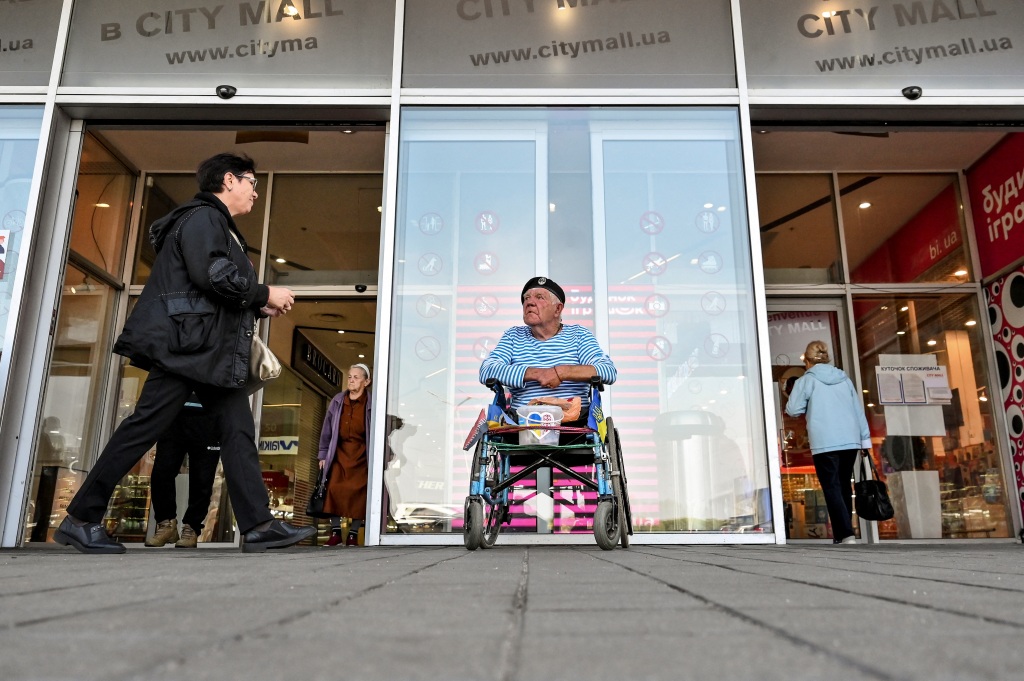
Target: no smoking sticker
[428, 348]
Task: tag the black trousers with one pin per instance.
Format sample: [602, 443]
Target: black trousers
[195, 432]
[163, 397]
[835, 471]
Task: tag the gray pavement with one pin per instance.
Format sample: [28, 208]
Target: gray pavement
[516, 613]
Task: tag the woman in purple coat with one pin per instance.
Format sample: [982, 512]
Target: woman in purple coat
[343, 455]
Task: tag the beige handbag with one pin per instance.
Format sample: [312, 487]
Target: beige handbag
[263, 364]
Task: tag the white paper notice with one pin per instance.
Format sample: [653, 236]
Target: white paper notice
[913, 389]
[890, 389]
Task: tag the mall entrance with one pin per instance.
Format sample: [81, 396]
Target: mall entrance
[315, 228]
[866, 235]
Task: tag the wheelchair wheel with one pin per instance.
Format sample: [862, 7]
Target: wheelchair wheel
[493, 526]
[473, 525]
[606, 525]
[619, 485]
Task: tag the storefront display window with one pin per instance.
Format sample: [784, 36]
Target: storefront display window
[639, 215]
[799, 234]
[905, 228]
[930, 412]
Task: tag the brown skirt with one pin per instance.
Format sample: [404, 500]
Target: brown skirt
[346, 489]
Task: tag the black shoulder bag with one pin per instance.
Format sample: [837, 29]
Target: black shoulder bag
[315, 507]
[872, 496]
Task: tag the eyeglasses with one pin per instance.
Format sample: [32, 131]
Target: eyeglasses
[246, 177]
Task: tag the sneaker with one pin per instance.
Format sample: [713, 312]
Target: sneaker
[334, 540]
[188, 538]
[849, 540]
[166, 531]
[352, 540]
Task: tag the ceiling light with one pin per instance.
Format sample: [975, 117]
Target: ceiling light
[960, 273]
[362, 356]
[983, 399]
[103, 205]
[933, 342]
[341, 330]
[721, 209]
[709, 205]
[551, 208]
[866, 204]
[288, 8]
[380, 209]
[865, 392]
[885, 307]
[970, 322]
[280, 260]
[871, 404]
[348, 131]
[901, 333]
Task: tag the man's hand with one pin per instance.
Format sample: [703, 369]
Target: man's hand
[281, 298]
[548, 378]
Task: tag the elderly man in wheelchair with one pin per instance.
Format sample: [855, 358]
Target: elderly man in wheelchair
[554, 373]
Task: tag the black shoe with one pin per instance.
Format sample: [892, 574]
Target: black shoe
[278, 536]
[88, 538]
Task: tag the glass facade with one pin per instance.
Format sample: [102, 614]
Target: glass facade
[599, 144]
[490, 198]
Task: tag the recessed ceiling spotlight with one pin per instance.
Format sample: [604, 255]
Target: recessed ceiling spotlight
[348, 131]
[709, 205]
[901, 333]
[280, 260]
[970, 322]
[866, 204]
[904, 308]
[341, 330]
[871, 404]
[933, 342]
[721, 209]
[103, 205]
[362, 356]
[960, 273]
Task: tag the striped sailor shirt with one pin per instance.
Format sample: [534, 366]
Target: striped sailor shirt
[518, 350]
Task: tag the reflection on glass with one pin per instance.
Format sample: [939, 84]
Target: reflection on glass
[938, 455]
[799, 235]
[325, 229]
[72, 399]
[19, 136]
[165, 192]
[903, 228]
[103, 207]
[639, 215]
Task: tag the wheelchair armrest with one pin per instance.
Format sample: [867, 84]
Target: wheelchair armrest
[597, 383]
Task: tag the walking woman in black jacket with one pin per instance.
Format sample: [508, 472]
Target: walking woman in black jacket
[192, 330]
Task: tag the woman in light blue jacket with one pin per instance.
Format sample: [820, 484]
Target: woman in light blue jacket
[837, 430]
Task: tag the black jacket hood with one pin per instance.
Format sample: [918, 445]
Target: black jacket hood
[159, 230]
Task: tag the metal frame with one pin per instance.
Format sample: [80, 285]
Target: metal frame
[36, 294]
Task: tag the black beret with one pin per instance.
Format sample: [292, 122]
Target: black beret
[544, 283]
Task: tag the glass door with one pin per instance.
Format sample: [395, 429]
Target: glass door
[791, 326]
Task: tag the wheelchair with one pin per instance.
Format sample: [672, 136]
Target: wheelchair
[497, 451]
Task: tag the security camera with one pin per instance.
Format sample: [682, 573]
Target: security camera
[360, 288]
[226, 91]
[912, 92]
